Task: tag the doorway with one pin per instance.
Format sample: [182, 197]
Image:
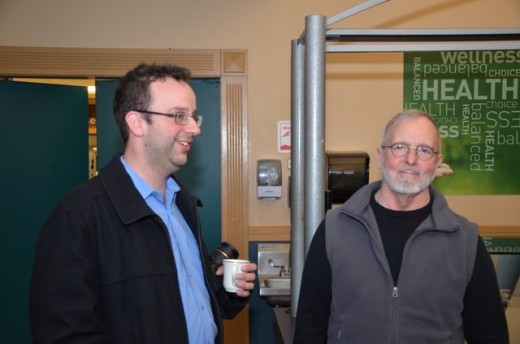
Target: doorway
[39, 168]
[90, 86]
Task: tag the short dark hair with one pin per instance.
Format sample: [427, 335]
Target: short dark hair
[132, 90]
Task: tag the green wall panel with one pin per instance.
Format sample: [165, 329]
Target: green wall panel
[44, 151]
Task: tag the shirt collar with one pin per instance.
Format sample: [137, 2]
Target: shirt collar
[145, 190]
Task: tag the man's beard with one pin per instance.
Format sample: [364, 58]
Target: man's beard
[406, 188]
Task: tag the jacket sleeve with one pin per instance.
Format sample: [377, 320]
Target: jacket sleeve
[312, 317]
[63, 291]
[483, 315]
[230, 304]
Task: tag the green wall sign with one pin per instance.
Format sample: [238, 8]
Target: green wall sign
[500, 245]
[474, 97]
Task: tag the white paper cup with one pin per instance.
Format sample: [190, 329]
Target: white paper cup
[231, 268]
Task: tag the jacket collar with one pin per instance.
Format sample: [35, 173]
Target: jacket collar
[127, 201]
[441, 218]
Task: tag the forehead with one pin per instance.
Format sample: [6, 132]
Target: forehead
[415, 131]
[172, 92]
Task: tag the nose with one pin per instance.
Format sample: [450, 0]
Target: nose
[193, 127]
[411, 156]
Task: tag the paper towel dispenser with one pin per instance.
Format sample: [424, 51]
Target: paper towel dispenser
[269, 178]
[347, 172]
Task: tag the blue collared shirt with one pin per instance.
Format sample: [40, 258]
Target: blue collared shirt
[195, 297]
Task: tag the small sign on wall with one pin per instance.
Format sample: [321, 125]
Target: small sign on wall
[284, 136]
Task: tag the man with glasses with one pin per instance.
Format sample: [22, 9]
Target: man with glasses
[121, 259]
[395, 264]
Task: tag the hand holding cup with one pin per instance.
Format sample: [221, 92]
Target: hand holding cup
[245, 269]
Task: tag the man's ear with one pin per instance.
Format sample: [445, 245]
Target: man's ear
[135, 122]
[379, 157]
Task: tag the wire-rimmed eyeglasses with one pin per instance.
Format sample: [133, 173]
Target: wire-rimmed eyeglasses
[401, 149]
[182, 118]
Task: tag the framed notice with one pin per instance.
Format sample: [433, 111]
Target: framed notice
[474, 98]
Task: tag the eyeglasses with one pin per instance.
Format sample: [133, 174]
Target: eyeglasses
[182, 118]
[401, 149]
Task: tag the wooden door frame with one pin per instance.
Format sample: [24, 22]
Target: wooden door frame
[228, 65]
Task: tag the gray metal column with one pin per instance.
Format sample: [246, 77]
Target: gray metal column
[297, 168]
[314, 171]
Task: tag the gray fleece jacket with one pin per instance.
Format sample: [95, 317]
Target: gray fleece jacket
[426, 304]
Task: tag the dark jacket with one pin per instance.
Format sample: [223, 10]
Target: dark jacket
[447, 290]
[104, 270]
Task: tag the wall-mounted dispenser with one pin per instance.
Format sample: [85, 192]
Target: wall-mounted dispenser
[269, 178]
[347, 172]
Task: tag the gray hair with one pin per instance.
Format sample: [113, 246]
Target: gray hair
[406, 116]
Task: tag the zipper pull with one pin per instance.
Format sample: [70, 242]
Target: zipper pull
[395, 292]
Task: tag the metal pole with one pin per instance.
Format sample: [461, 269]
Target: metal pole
[297, 168]
[314, 200]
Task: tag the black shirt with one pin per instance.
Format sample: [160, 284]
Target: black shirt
[395, 228]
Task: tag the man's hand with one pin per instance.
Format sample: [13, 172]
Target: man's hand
[245, 280]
